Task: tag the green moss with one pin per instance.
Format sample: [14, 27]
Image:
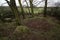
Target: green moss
[22, 29]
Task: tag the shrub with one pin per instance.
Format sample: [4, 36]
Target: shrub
[55, 12]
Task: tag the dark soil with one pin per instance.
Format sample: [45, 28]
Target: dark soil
[39, 24]
[37, 29]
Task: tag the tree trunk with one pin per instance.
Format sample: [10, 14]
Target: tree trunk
[31, 5]
[14, 9]
[22, 10]
[28, 7]
[45, 9]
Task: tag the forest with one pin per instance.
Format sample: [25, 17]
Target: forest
[29, 22]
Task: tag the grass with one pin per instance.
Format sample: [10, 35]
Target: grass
[36, 10]
[52, 34]
[4, 38]
[36, 28]
[31, 33]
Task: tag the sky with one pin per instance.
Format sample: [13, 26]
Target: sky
[50, 2]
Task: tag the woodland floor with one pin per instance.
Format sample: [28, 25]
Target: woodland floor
[37, 28]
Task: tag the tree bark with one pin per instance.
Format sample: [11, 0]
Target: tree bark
[14, 9]
[45, 9]
[28, 7]
[22, 10]
[31, 5]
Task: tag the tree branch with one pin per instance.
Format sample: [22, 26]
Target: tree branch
[7, 1]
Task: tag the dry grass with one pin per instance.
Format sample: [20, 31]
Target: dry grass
[34, 29]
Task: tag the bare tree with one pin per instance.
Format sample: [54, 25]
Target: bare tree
[22, 10]
[38, 2]
[31, 5]
[45, 8]
[27, 5]
[14, 9]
